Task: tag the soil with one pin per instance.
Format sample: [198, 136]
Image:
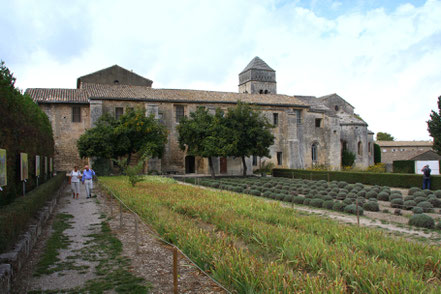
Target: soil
[151, 260]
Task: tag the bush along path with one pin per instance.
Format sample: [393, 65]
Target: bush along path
[81, 255]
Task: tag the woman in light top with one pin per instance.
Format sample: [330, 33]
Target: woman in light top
[74, 180]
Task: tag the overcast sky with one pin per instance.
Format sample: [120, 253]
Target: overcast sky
[384, 59]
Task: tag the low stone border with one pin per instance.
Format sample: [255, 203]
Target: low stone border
[11, 262]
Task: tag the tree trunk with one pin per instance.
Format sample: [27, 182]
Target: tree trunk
[244, 166]
[210, 163]
[128, 159]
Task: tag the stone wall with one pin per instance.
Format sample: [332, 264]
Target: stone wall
[66, 133]
[114, 75]
[390, 154]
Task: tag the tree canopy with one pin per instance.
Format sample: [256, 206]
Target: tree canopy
[434, 127]
[203, 134]
[133, 132]
[381, 136]
[249, 133]
[241, 132]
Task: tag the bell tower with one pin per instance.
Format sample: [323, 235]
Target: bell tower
[258, 78]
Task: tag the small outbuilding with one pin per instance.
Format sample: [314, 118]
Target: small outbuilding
[430, 158]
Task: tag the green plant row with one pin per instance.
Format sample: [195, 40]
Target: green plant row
[358, 260]
[335, 195]
[382, 179]
[15, 217]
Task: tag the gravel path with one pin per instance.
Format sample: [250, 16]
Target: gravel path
[153, 261]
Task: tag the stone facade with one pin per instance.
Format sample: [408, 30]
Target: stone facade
[402, 150]
[66, 133]
[309, 131]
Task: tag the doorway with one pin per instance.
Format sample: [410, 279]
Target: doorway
[190, 164]
[223, 165]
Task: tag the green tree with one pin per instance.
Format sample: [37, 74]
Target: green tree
[203, 134]
[133, 132]
[377, 153]
[381, 136]
[347, 158]
[434, 127]
[249, 133]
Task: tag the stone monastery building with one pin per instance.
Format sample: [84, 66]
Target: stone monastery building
[308, 130]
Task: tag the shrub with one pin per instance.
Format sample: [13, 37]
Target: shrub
[15, 217]
[347, 201]
[373, 199]
[353, 209]
[371, 206]
[255, 192]
[417, 210]
[409, 204]
[383, 196]
[338, 206]
[427, 192]
[413, 190]
[299, 199]
[397, 212]
[347, 158]
[361, 193]
[395, 196]
[420, 199]
[426, 206]
[407, 198]
[306, 201]
[326, 198]
[328, 204]
[267, 194]
[279, 196]
[435, 201]
[397, 203]
[341, 196]
[437, 193]
[316, 202]
[287, 198]
[351, 195]
[438, 226]
[422, 220]
[371, 194]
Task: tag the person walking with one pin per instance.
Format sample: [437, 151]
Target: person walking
[426, 177]
[74, 181]
[87, 180]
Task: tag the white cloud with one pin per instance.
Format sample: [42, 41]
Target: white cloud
[385, 62]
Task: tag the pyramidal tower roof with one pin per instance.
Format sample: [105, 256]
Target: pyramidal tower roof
[257, 63]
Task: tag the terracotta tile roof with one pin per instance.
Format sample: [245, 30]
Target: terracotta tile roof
[142, 93]
[178, 95]
[58, 95]
[404, 143]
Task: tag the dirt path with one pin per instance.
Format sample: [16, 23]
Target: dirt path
[92, 259]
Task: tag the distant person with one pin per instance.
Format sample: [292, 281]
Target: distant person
[87, 180]
[74, 181]
[426, 177]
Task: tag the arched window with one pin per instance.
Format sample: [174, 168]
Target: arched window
[369, 148]
[260, 91]
[266, 91]
[314, 152]
[360, 148]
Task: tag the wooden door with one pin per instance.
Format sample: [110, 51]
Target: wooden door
[223, 165]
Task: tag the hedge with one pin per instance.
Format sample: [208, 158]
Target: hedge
[15, 217]
[404, 166]
[382, 179]
[25, 128]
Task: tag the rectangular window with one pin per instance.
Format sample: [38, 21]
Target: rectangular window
[279, 158]
[119, 111]
[275, 119]
[299, 115]
[179, 113]
[76, 114]
[254, 160]
[318, 122]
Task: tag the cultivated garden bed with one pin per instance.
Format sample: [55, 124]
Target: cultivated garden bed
[255, 246]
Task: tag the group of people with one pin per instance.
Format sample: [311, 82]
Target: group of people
[85, 176]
